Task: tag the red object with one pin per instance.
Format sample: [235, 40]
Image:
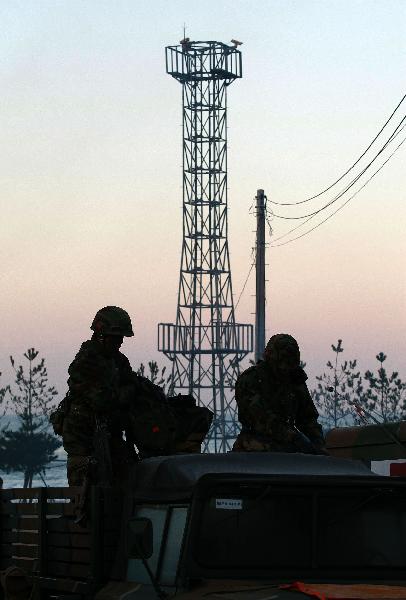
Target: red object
[358, 591]
[397, 469]
[305, 589]
[155, 429]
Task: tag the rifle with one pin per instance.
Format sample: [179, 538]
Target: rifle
[82, 511]
[101, 453]
[299, 442]
[305, 445]
[99, 469]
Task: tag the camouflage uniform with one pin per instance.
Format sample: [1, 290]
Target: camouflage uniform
[104, 392]
[106, 387]
[275, 408]
[98, 386]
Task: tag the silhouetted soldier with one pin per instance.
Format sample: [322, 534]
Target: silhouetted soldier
[274, 405]
[95, 416]
[107, 398]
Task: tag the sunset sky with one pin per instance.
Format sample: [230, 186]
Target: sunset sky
[90, 184]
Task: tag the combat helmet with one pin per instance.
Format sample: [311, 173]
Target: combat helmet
[282, 347]
[112, 320]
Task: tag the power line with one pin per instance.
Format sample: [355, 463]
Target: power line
[268, 215]
[246, 281]
[338, 209]
[351, 184]
[312, 216]
[348, 170]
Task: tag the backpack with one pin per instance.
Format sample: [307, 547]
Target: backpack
[152, 423]
[192, 422]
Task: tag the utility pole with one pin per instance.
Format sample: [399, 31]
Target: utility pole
[206, 344]
[260, 277]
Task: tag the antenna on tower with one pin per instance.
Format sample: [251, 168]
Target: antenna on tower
[205, 344]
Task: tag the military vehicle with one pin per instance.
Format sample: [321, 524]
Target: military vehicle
[224, 525]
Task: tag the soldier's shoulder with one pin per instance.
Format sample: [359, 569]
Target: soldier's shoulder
[123, 359]
[253, 369]
[88, 348]
[299, 376]
[250, 374]
[88, 355]
[140, 380]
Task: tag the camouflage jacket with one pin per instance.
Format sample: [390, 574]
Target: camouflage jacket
[97, 384]
[273, 408]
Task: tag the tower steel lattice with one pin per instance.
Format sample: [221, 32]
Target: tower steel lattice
[206, 345]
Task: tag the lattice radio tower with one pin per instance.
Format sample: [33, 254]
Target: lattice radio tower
[206, 345]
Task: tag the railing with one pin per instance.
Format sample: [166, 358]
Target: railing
[203, 61]
[220, 338]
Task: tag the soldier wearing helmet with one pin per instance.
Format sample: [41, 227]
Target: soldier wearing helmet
[106, 398]
[100, 383]
[274, 405]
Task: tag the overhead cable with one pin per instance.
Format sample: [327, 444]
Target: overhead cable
[337, 210]
[312, 216]
[244, 286]
[353, 182]
[349, 169]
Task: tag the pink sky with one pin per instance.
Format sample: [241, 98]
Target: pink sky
[91, 171]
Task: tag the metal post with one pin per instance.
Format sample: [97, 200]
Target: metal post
[260, 277]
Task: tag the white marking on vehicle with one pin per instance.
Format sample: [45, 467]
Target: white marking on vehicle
[229, 503]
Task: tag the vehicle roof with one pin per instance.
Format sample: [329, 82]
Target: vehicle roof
[168, 478]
